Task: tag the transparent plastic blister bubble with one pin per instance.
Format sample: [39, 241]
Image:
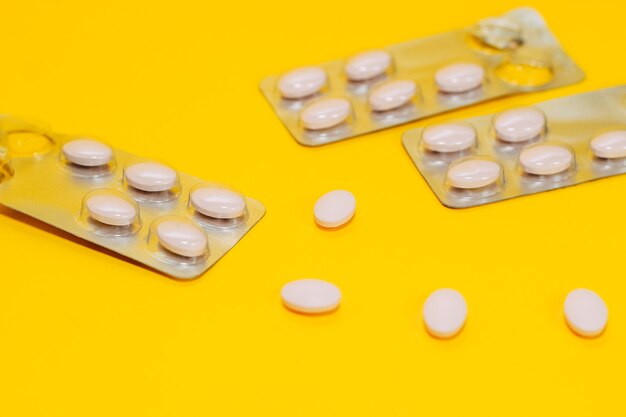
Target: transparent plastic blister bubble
[380, 88]
[140, 208]
[519, 151]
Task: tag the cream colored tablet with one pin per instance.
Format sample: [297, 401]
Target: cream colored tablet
[459, 78]
[219, 203]
[368, 65]
[111, 209]
[611, 145]
[151, 176]
[519, 125]
[87, 152]
[473, 173]
[302, 82]
[326, 113]
[449, 137]
[334, 208]
[311, 296]
[445, 312]
[392, 95]
[545, 159]
[182, 238]
[585, 312]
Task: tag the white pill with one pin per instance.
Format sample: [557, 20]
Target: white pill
[182, 238]
[219, 203]
[87, 152]
[392, 95]
[151, 176]
[474, 173]
[311, 296]
[326, 113]
[368, 65]
[610, 145]
[111, 209]
[302, 82]
[459, 78]
[519, 125]
[449, 137]
[445, 312]
[545, 159]
[334, 208]
[585, 312]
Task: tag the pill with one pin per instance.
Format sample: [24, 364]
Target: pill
[182, 238]
[111, 209]
[392, 95]
[545, 159]
[610, 145]
[151, 176]
[368, 65]
[519, 125]
[334, 208]
[585, 312]
[87, 152]
[445, 312]
[326, 113]
[302, 82]
[449, 137]
[310, 296]
[474, 173]
[219, 203]
[459, 78]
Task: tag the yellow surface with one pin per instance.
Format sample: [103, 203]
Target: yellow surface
[86, 334]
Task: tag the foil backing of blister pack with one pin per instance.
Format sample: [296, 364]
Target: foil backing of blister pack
[418, 60]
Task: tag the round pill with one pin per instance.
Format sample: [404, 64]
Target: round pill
[459, 78]
[585, 312]
[151, 176]
[182, 238]
[449, 137]
[111, 209]
[302, 82]
[474, 173]
[219, 203]
[545, 159]
[445, 312]
[310, 296]
[334, 208]
[610, 145]
[519, 125]
[368, 65]
[87, 152]
[326, 113]
[392, 95]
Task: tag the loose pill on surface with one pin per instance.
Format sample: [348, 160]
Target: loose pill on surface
[368, 65]
[87, 152]
[519, 125]
[459, 78]
[334, 208]
[182, 238]
[449, 137]
[610, 145]
[219, 203]
[445, 312]
[311, 296]
[302, 82]
[326, 113]
[392, 95]
[151, 177]
[111, 209]
[545, 159]
[473, 173]
[585, 312]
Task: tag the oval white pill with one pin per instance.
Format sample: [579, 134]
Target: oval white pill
[474, 173]
[545, 159]
[392, 95]
[449, 137]
[445, 312]
[326, 113]
[219, 203]
[585, 312]
[519, 125]
[111, 209]
[302, 82]
[459, 78]
[151, 176]
[368, 65]
[334, 208]
[610, 145]
[182, 238]
[87, 152]
[311, 296]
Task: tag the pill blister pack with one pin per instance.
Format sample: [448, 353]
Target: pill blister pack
[377, 89]
[139, 208]
[520, 151]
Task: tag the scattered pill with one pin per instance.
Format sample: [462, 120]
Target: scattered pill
[219, 203]
[312, 296]
[610, 145]
[392, 95]
[326, 113]
[302, 82]
[111, 209]
[368, 65]
[519, 125]
[87, 152]
[182, 238]
[151, 177]
[445, 312]
[585, 312]
[474, 173]
[449, 137]
[459, 78]
[334, 208]
[545, 159]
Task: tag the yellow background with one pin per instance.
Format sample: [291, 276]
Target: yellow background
[86, 334]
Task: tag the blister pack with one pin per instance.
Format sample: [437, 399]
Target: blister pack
[142, 209]
[409, 81]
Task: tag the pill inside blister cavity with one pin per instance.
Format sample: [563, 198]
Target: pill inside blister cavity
[302, 82]
[218, 202]
[87, 152]
[545, 159]
[334, 208]
[311, 296]
[181, 237]
[519, 125]
[449, 137]
[325, 113]
[151, 176]
[445, 312]
[392, 95]
[586, 312]
[610, 145]
[368, 65]
[111, 210]
[473, 173]
[459, 78]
